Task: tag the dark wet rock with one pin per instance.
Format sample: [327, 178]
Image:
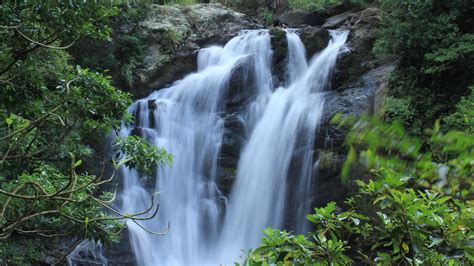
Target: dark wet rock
[297, 18]
[279, 59]
[358, 98]
[336, 9]
[164, 75]
[314, 39]
[337, 20]
[232, 141]
[174, 34]
[121, 253]
[242, 87]
[359, 58]
[152, 104]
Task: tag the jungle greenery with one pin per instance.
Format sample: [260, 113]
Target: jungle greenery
[312, 5]
[434, 42]
[54, 120]
[411, 208]
[413, 205]
[321, 5]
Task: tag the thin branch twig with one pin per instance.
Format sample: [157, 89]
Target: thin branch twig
[46, 45]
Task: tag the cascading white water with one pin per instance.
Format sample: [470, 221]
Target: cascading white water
[188, 125]
[186, 119]
[260, 192]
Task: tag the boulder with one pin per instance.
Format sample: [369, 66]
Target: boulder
[314, 39]
[361, 97]
[337, 20]
[174, 34]
[232, 141]
[358, 58]
[163, 74]
[297, 18]
[216, 24]
[279, 57]
[242, 87]
[336, 9]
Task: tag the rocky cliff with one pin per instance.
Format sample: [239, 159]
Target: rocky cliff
[174, 34]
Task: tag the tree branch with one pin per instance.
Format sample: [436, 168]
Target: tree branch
[46, 45]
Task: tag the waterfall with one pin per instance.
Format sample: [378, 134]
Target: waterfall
[187, 120]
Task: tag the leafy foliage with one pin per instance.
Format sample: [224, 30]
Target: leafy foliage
[267, 16]
[313, 4]
[417, 209]
[54, 118]
[463, 118]
[434, 41]
[137, 153]
[120, 53]
[321, 5]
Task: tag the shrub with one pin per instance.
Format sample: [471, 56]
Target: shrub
[415, 210]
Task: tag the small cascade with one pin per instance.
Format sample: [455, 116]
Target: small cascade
[275, 174]
[88, 252]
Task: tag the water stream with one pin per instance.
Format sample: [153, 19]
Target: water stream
[276, 170]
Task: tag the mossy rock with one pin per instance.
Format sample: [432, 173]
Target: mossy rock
[280, 51]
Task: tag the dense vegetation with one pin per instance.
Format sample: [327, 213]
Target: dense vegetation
[435, 43]
[414, 203]
[415, 208]
[54, 119]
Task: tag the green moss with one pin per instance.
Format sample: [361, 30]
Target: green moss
[278, 34]
[230, 171]
[326, 159]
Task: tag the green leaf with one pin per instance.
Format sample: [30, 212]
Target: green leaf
[9, 121]
[78, 162]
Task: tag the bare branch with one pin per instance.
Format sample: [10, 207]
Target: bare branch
[46, 45]
[11, 27]
[152, 232]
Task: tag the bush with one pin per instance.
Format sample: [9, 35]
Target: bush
[312, 5]
[415, 210]
[267, 16]
[463, 118]
[435, 66]
[397, 109]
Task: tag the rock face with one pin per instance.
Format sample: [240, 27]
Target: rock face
[337, 20]
[280, 50]
[314, 39]
[174, 34]
[359, 58]
[358, 82]
[299, 18]
[360, 97]
[242, 87]
[294, 19]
